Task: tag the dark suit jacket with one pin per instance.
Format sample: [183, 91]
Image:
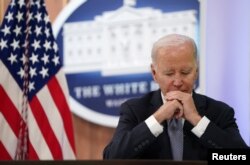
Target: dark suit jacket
[133, 139]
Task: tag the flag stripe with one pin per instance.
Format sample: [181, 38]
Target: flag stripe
[41, 148]
[7, 138]
[4, 154]
[9, 111]
[45, 128]
[32, 153]
[47, 101]
[13, 93]
[61, 103]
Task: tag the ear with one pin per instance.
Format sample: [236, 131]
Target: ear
[153, 72]
[197, 69]
[197, 73]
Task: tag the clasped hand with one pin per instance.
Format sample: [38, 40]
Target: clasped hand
[178, 105]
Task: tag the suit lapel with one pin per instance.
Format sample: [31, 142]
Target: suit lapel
[200, 103]
[156, 101]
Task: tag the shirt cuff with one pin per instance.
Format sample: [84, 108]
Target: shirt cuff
[154, 126]
[200, 128]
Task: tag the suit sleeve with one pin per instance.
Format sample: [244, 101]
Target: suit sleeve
[131, 138]
[222, 131]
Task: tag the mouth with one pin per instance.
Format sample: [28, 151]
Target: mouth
[185, 91]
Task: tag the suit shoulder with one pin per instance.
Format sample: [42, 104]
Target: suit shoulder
[140, 100]
[211, 102]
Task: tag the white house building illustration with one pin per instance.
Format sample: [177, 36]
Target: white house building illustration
[120, 41]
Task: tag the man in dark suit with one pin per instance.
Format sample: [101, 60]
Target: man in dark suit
[142, 131]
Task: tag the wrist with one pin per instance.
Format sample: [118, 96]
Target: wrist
[159, 118]
[194, 120]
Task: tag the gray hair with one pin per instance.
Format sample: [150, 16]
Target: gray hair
[172, 40]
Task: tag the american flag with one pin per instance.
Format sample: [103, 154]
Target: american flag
[35, 120]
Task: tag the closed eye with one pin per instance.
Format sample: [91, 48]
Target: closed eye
[186, 72]
[169, 73]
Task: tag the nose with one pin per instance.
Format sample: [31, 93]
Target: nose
[177, 81]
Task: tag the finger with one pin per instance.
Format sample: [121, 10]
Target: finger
[178, 112]
[170, 99]
[174, 95]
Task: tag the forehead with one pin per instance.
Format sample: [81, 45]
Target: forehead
[179, 52]
[175, 58]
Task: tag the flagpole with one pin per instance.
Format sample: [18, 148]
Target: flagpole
[22, 145]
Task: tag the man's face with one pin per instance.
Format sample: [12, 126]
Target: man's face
[175, 69]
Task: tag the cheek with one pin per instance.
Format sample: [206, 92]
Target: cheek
[164, 82]
[190, 81]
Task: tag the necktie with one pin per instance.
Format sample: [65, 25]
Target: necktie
[175, 133]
